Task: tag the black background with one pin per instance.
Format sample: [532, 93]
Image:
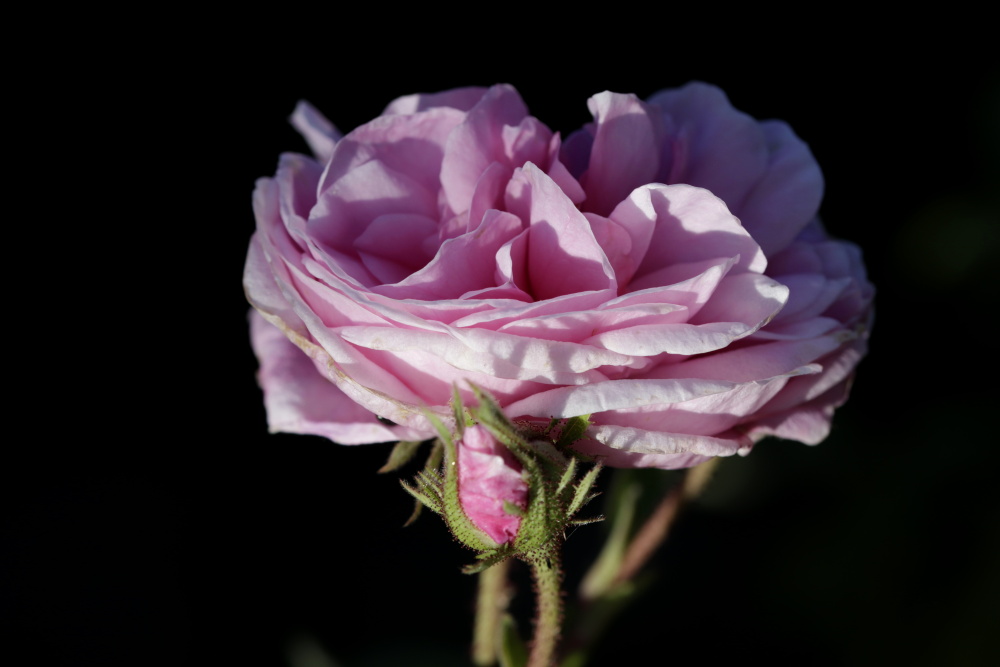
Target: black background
[167, 527]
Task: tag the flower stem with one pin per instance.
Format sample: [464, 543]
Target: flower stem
[494, 595]
[547, 573]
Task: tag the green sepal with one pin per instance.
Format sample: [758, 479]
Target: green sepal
[426, 495]
[573, 430]
[513, 651]
[512, 509]
[582, 495]
[430, 482]
[489, 559]
[401, 454]
[461, 526]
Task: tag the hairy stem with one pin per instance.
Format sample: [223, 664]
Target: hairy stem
[547, 573]
[494, 596]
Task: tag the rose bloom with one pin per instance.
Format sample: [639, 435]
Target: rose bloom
[662, 270]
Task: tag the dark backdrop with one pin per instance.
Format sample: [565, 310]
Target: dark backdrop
[169, 528]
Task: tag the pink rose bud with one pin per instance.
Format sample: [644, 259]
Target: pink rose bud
[489, 475]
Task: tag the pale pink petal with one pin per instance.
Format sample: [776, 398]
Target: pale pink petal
[462, 99]
[705, 415]
[297, 179]
[529, 141]
[837, 367]
[624, 153]
[348, 206]
[411, 145]
[512, 312]
[488, 193]
[261, 290]
[746, 298]
[476, 144]
[690, 224]
[398, 240]
[575, 150]
[300, 400]
[789, 193]
[629, 447]
[580, 325]
[561, 175]
[564, 402]
[688, 284]
[462, 264]
[432, 378]
[617, 246]
[747, 364]
[493, 353]
[564, 257]
[808, 422]
[716, 147]
[798, 330]
[406, 312]
[362, 380]
[319, 133]
[809, 295]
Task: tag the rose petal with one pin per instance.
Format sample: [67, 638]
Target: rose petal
[300, 400]
[689, 224]
[565, 402]
[564, 257]
[371, 190]
[717, 147]
[412, 145]
[627, 447]
[476, 144]
[492, 353]
[319, 133]
[462, 99]
[462, 264]
[788, 194]
[624, 151]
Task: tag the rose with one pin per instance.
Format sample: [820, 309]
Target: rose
[663, 272]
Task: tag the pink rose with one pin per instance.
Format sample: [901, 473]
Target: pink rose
[662, 271]
[489, 475]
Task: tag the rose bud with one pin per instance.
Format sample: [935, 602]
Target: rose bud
[491, 489]
[502, 491]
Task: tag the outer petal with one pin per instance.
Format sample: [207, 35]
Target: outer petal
[789, 193]
[715, 147]
[319, 133]
[462, 99]
[629, 447]
[300, 400]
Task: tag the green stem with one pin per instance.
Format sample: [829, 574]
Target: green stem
[547, 573]
[494, 595]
